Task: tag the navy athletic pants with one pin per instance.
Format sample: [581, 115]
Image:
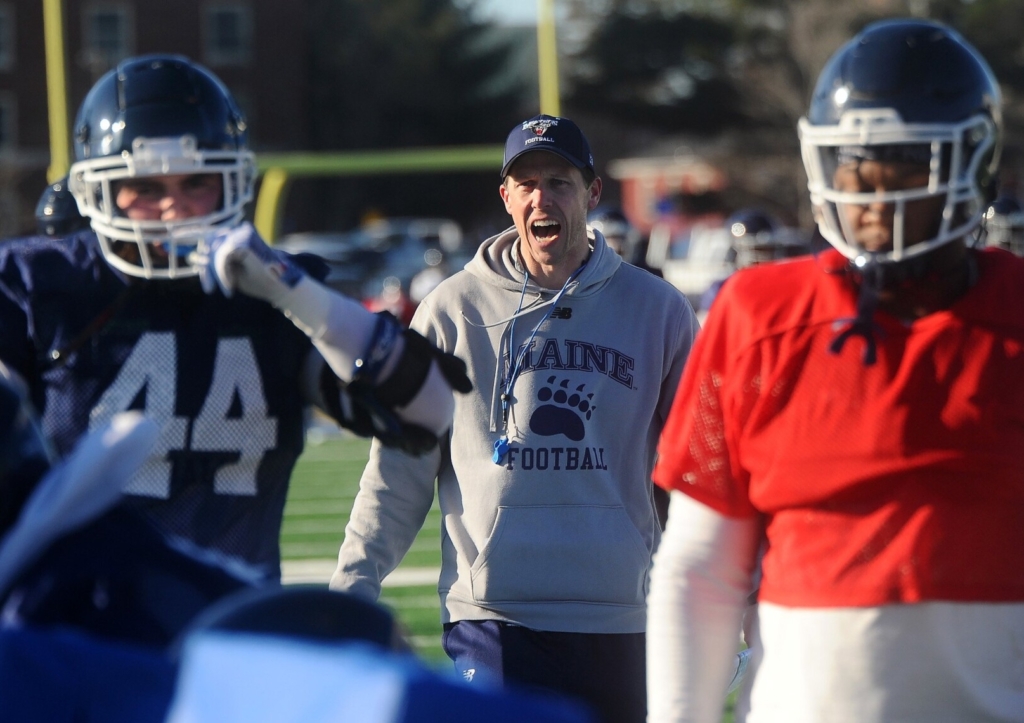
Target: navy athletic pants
[606, 672]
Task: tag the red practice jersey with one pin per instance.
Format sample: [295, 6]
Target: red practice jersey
[897, 482]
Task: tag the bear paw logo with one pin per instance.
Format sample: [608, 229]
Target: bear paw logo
[563, 411]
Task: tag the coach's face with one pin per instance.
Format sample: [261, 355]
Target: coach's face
[549, 202]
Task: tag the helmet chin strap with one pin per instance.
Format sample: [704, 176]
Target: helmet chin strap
[874, 277]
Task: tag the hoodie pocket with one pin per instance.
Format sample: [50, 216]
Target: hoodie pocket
[582, 553]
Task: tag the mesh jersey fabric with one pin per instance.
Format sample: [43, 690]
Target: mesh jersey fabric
[221, 376]
[891, 483]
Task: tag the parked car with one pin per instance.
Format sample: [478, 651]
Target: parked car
[397, 248]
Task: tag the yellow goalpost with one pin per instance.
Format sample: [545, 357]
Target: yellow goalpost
[277, 169]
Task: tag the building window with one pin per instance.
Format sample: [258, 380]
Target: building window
[228, 35]
[107, 35]
[8, 121]
[7, 53]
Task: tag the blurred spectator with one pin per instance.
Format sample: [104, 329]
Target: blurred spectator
[756, 237]
[618, 232]
[621, 236]
[435, 271]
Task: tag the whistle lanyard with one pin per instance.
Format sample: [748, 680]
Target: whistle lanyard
[501, 444]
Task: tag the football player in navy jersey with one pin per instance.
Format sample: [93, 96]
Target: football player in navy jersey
[172, 305]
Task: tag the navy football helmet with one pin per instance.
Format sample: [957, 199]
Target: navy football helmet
[909, 90]
[158, 115]
[57, 213]
[757, 236]
[1004, 225]
[621, 235]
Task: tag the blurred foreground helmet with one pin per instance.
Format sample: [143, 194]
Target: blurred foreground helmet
[25, 455]
[158, 115]
[1004, 225]
[57, 213]
[912, 91]
[757, 237]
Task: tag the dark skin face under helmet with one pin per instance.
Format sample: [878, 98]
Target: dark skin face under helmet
[912, 92]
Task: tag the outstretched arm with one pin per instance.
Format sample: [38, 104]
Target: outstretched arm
[395, 384]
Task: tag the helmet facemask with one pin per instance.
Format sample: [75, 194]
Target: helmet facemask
[955, 155]
[159, 249]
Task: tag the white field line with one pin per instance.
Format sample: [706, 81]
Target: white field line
[320, 571]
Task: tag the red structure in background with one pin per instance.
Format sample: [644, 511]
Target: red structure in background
[673, 191]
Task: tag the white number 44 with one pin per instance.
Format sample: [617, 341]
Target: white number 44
[152, 367]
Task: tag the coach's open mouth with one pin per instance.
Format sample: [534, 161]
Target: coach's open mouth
[545, 229]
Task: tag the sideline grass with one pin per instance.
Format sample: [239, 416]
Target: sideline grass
[323, 487]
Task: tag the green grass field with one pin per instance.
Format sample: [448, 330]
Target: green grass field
[323, 487]
[322, 490]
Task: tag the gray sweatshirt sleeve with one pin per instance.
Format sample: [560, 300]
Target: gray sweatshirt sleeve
[681, 344]
[395, 494]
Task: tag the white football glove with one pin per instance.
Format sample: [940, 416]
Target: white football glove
[238, 259]
[395, 380]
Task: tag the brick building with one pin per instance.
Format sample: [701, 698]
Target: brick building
[257, 47]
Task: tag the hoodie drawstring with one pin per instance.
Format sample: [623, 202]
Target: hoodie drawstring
[501, 444]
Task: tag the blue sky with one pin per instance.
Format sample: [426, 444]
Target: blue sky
[512, 12]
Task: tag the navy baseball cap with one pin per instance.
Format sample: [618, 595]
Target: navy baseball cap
[548, 133]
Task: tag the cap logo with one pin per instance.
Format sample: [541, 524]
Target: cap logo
[540, 126]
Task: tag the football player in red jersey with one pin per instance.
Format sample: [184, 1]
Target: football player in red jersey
[859, 417]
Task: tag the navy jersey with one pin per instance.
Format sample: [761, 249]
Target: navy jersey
[222, 377]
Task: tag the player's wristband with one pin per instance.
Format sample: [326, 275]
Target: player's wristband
[387, 333]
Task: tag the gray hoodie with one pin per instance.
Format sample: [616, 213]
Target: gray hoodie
[558, 536]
